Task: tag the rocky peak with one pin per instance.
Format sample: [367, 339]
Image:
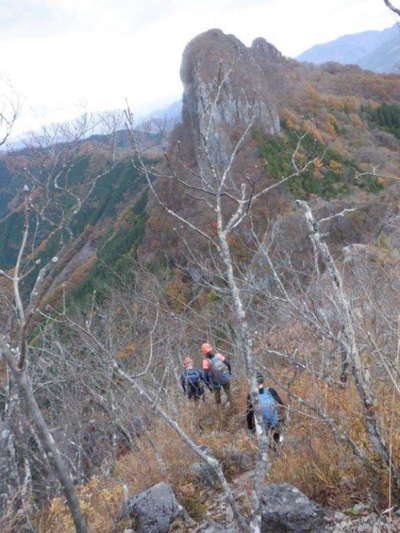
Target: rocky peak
[268, 50]
[225, 88]
[203, 54]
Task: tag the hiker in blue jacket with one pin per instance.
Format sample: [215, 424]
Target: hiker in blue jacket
[192, 380]
[272, 410]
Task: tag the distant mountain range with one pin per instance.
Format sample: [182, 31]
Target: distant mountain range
[170, 113]
[371, 50]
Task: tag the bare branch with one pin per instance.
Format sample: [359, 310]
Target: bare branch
[337, 215]
[392, 7]
[298, 171]
[46, 438]
[204, 453]
[352, 354]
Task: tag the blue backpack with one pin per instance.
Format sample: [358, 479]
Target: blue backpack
[193, 383]
[269, 409]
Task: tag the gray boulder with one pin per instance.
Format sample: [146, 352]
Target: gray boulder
[238, 461]
[205, 475]
[215, 528]
[287, 510]
[154, 509]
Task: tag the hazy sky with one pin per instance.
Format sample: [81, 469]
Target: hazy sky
[67, 56]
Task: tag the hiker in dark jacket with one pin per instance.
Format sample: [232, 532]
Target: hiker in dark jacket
[218, 372]
[192, 380]
[272, 409]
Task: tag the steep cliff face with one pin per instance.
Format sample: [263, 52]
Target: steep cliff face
[227, 85]
[338, 111]
[226, 88]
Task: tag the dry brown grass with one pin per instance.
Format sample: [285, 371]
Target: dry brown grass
[100, 501]
[310, 458]
[324, 468]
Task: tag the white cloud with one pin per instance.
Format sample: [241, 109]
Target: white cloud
[64, 54]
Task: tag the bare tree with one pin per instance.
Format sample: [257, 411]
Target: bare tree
[231, 200]
[49, 162]
[9, 111]
[361, 375]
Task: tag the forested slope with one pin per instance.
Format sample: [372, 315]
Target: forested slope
[270, 229]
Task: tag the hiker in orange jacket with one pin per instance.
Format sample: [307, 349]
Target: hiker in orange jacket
[218, 372]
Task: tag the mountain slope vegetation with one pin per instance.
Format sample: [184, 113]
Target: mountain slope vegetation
[268, 228]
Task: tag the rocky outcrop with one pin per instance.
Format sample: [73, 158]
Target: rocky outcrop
[154, 509]
[284, 510]
[369, 523]
[287, 510]
[225, 84]
[225, 88]
[205, 475]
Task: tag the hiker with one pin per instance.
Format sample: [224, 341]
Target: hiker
[218, 372]
[272, 410]
[192, 380]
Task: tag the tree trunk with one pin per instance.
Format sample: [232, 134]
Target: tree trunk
[46, 439]
[361, 376]
[262, 463]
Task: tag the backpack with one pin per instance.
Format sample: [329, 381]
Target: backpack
[193, 380]
[219, 371]
[269, 409]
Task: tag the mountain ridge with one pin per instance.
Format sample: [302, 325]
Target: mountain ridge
[290, 98]
[366, 49]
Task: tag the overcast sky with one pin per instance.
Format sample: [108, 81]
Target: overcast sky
[67, 56]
